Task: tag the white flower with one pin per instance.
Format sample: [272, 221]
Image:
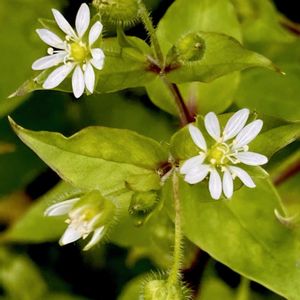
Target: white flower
[74, 53]
[228, 150]
[82, 220]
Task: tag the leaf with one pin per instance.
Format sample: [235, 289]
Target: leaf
[132, 289]
[222, 55]
[270, 93]
[20, 278]
[246, 235]
[97, 157]
[34, 227]
[123, 68]
[198, 15]
[19, 44]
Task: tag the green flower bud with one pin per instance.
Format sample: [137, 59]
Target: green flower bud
[162, 290]
[119, 12]
[189, 48]
[142, 205]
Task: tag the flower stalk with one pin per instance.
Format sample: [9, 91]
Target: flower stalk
[146, 19]
[175, 275]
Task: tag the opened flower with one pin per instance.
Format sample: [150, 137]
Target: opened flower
[90, 214]
[221, 162]
[74, 53]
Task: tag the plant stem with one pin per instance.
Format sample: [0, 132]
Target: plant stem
[184, 114]
[146, 19]
[174, 274]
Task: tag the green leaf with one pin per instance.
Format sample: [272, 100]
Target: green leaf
[20, 44]
[97, 157]
[243, 234]
[132, 289]
[271, 141]
[222, 55]
[198, 15]
[123, 68]
[34, 227]
[20, 278]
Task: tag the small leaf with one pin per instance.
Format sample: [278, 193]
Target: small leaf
[97, 157]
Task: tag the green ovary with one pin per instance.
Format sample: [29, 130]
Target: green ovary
[79, 52]
[217, 154]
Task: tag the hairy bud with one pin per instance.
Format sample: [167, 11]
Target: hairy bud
[119, 12]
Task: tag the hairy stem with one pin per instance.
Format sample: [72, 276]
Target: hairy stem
[184, 114]
[146, 19]
[174, 274]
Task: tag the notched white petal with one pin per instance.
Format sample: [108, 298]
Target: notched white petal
[97, 236]
[215, 184]
[58, 76]
[89, 78]
[82, 21]
[248, 134]
[63, 24]
[48, 61]
[212, 125]
[252, 158]
[60, 208]
[50, 38]
[243, 176]
[70, 235]
[197, 137]
[227, 184]
[95, 32]
[78, 83]
[98, 58]
[235, 124]
[197, 174]
[191, 163]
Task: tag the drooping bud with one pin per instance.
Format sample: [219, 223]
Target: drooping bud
[162, 290]
[189, 48]
[118, 12]
[142, 205]
[90, 213]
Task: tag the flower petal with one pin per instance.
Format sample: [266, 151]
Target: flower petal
[63, 24]
[252, 158]
[50, 38]
[227, 184]
[49, 61]
[243, 176]
[212, 125]
[98, 234]
[60, 208]
[78, 83]
[247, 134]
[70, 235]
[82, 21]
[95, 33]
[235, 124]
[98, 58]
[57, 76]
[215, 184]
[192, 163]
[89, 78]
[197, 137]
[197, 174]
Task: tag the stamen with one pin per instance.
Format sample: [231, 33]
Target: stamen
[50, 51]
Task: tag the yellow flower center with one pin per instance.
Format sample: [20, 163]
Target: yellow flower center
[79, 51]
[217, 154]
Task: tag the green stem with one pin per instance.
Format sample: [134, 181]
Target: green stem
[184, 113]
[145, 17]
[243, 292]
[174, 274]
